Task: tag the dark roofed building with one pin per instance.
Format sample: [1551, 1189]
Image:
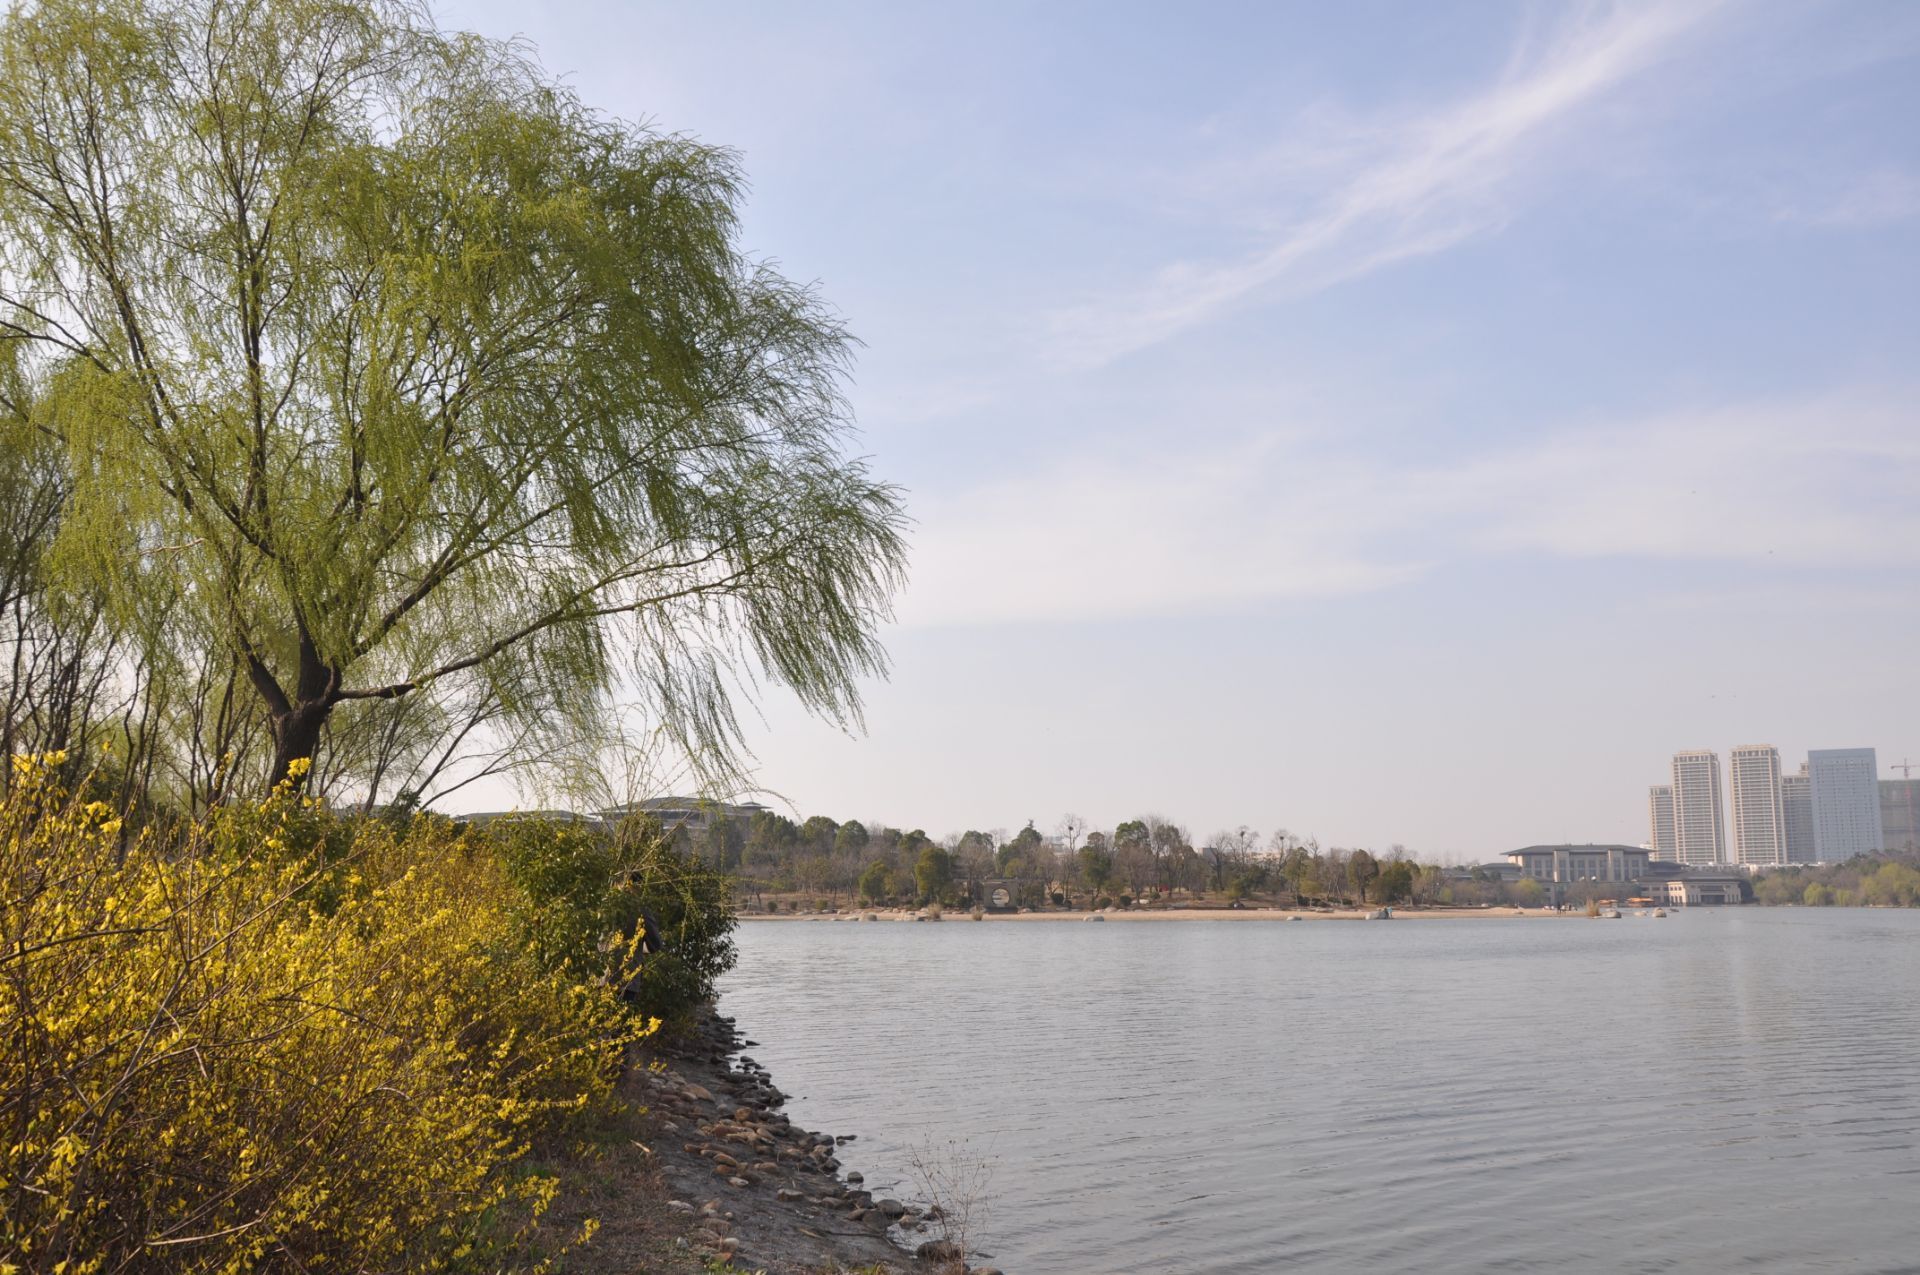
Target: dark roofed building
[695, 814]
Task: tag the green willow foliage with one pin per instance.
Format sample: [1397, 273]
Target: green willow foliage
[376, 359]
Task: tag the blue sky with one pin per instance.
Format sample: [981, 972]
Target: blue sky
[1397, 423]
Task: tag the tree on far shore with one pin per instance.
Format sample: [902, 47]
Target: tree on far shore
[933, 873]
[875, 882]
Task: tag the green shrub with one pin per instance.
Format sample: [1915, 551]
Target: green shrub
[693, 904]
[587, 892]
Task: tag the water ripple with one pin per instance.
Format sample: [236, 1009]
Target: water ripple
[1734, 1091]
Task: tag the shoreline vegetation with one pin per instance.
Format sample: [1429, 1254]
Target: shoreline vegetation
[279, 1037]
[1154, 864]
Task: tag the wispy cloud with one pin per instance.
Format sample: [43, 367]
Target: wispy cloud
[1435, 180]
[1880, 198]
[1816, 483]
[1152, 537]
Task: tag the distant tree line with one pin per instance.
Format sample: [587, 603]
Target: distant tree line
[1889, 879]
[820, 862]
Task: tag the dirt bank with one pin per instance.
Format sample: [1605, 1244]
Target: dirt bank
[703, 1167]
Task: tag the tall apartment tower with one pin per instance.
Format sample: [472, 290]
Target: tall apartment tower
[1796, 803]
[1660, 821]
[1759, 821]
[1699, 830]
[1900, 812]
[1846, 803]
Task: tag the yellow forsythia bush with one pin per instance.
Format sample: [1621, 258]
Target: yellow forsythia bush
[276, 1041]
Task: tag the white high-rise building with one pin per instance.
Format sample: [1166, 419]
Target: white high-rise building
[1660, 821]
[1846, 803]
[1796, 803]
[1699, 830]
[1759, 822]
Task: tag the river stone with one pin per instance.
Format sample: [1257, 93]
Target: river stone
[892, 1208]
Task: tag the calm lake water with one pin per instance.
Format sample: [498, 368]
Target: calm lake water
[1717, 1090]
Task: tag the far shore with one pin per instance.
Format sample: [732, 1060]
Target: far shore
[1178, 914]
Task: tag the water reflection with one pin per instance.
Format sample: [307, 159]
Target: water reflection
[1707, 1091]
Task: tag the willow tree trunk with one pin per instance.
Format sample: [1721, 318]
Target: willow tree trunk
[296, 719]
[296, 737]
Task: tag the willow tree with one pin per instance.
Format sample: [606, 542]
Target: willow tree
[376, 354]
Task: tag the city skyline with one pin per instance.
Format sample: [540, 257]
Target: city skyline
[1836, 806]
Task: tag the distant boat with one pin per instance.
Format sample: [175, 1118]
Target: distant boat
[1659, 911]
[1611, 914]
[1380, 914]
[1095, 917]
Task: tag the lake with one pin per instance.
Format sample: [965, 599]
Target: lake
[1719, 1089]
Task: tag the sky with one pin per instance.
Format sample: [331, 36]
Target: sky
[1398, 424]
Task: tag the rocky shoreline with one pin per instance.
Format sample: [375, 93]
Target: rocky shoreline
[758, 1193]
